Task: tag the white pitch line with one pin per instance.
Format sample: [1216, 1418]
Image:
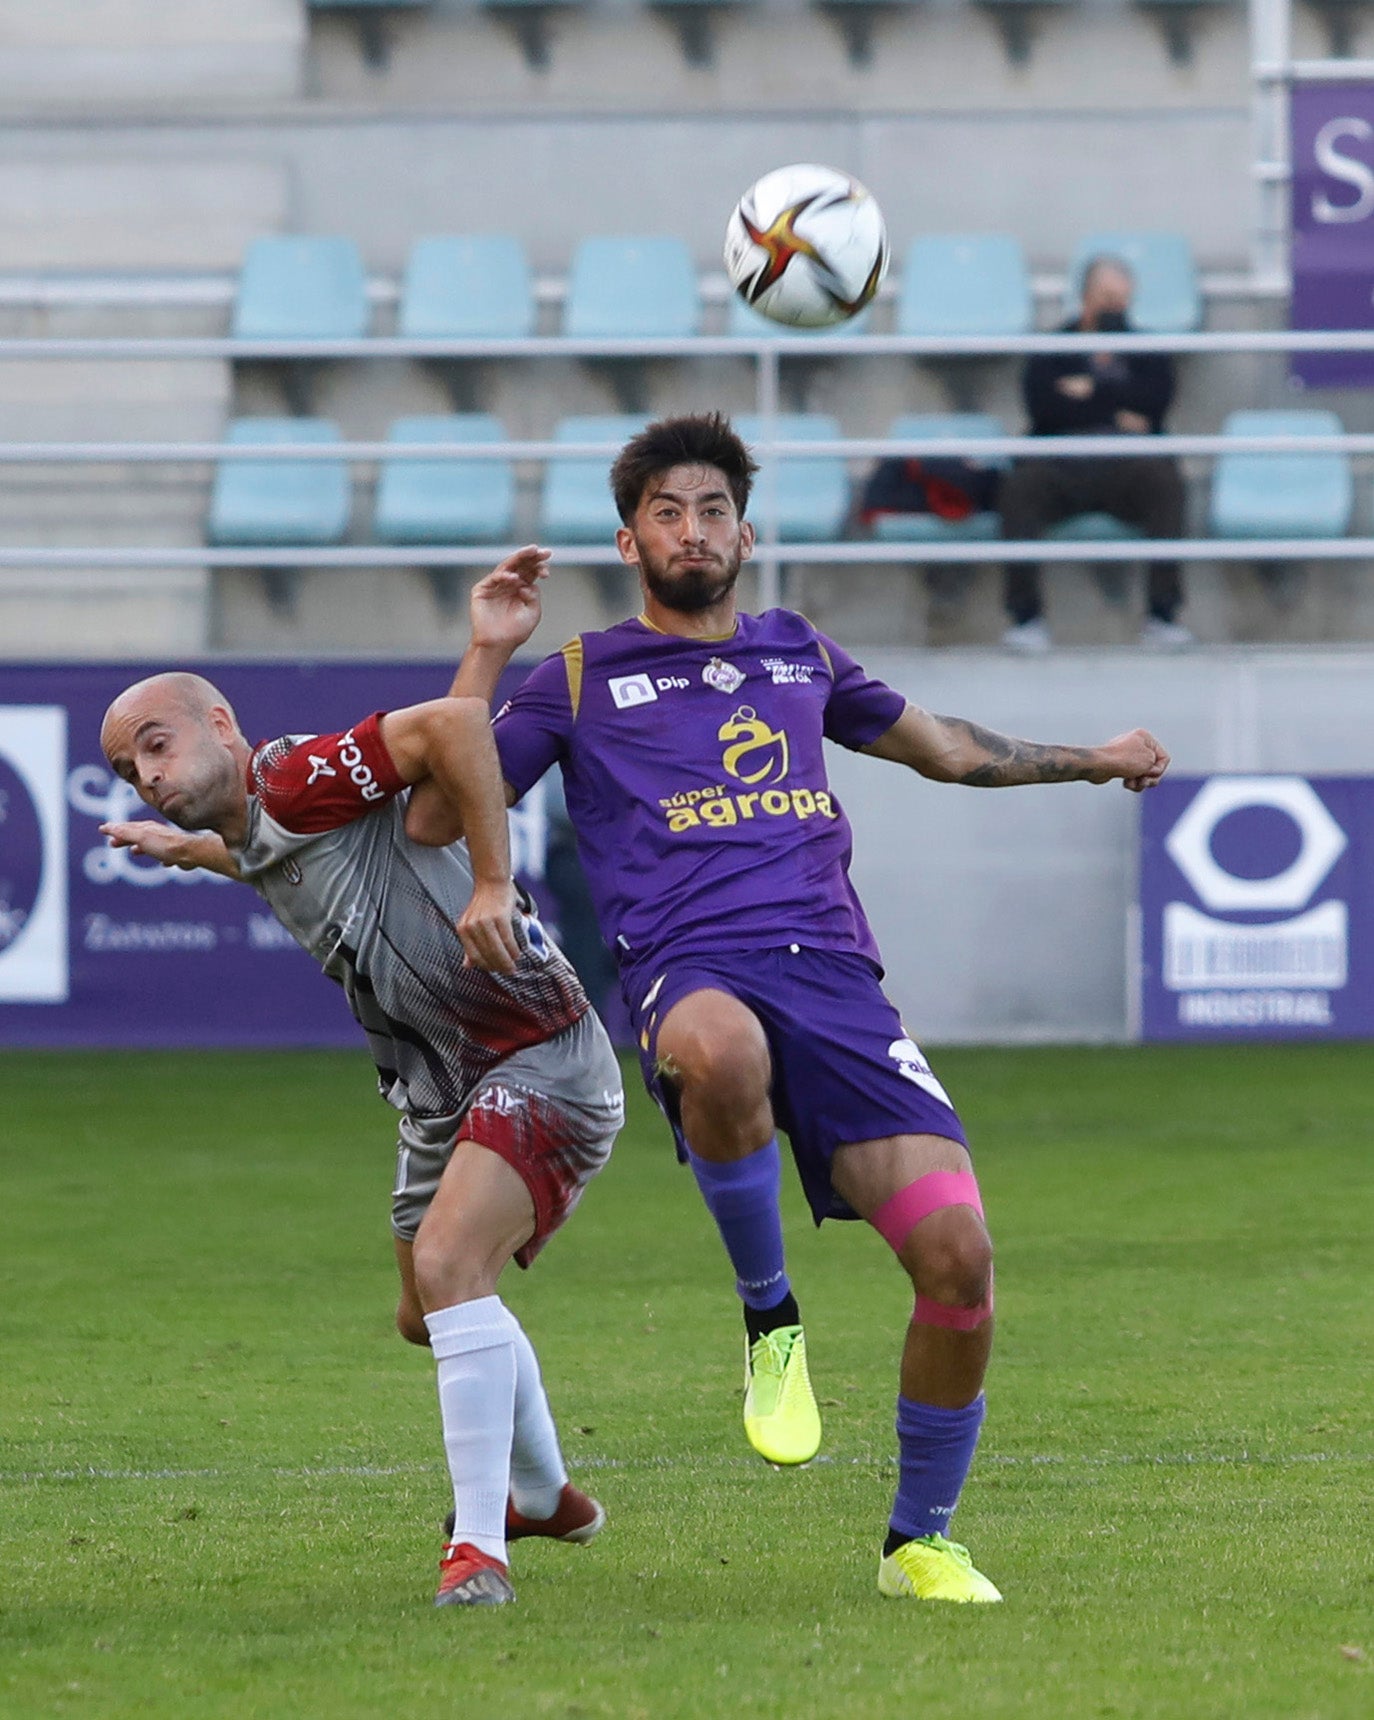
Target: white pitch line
[999, 1460]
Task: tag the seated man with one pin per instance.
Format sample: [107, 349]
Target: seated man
[1108, 393]
[507, 1086]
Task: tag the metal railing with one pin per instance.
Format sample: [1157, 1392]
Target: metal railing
[767, 353]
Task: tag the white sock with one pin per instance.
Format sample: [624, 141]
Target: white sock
[474, 1349]
[537, 1474]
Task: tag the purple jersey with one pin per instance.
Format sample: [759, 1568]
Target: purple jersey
[696, 783]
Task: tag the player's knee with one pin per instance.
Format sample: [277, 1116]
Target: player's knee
[734, 1065]
[953, 1264]
[935, 1227]
[449, 1270]
[410, 1323]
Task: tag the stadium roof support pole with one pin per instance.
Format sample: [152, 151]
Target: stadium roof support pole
[770, 566]
[1270, 61]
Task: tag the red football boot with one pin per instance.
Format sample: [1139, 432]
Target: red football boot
[470, 1578]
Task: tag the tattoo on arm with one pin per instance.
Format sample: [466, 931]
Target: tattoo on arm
[1008, 762]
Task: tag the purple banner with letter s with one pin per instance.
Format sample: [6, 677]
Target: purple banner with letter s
[1257, 908]
[99, 947]
[1332, 128]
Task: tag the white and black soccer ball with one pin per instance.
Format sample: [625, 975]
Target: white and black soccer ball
[806, 246]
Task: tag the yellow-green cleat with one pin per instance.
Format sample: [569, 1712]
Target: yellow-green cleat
[780, 1415]
[934, 1569]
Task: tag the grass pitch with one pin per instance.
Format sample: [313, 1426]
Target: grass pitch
[221, 1478]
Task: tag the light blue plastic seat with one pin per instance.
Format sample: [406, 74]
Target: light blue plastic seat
[575, 499]
[964, 284]
[470, 286]
[1281, 495]
[1167, 297]
[980, 527]
[280, 501]
[1094, 528]
[301, 287]
[811, 494]
[445, 500]
[625, 287]
[742, 319]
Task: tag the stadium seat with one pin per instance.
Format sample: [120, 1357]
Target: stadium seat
[741, 319]
[855, 20]
[930, 528]
[1016, 22]
[575, 500]
[280, 501]
[1177, 19]
[693, 20]
[1167, 297]
[301, 287]
[624, 287]
[811, 495]
[528, 22]
[964, 284]
[445, 500]
[473, 286]
[627, 288]
[1281, 495]
[370, 17]
[1093, 528]
[265, 503]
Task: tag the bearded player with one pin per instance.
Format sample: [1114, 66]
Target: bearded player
[690, 740]
[508, 1089]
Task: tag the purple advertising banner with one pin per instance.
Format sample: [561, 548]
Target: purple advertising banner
[1257, 908]
[1333, 225]
[100, 948]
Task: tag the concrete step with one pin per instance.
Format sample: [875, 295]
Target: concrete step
[75, 612]
[147, 212]
[79, 400]
[101, 54]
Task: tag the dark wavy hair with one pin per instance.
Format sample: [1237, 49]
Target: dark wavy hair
[702, 439]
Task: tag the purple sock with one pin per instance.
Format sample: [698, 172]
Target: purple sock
[742, 1197]
[935, 1450]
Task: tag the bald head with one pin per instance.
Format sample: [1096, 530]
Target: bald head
[1108, 287]
[176, 739]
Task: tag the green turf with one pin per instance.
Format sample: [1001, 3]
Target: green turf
[221, 1479]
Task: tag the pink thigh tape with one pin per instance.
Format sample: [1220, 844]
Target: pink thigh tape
[898, 1216]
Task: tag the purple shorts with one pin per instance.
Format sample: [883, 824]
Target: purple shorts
[844, 1068]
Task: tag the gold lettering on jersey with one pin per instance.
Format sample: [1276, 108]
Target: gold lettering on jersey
[718, 809]
[758, 753]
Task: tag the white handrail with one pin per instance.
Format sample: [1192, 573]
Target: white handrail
[693, 346]
[845, 448]
[606, 555]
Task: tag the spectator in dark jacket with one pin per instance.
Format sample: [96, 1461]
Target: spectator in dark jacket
[1104, 393]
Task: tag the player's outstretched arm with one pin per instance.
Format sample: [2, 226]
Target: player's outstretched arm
[952, 749]
[447, 744]
[188, 850]
[504, 611]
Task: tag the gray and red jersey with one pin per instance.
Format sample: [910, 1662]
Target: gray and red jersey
[696, 783]
[326, 848]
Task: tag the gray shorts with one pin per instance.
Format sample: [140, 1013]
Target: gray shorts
[552, 1111]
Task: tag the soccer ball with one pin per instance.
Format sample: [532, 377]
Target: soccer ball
[806, 246]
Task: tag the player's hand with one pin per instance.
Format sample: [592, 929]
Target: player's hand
[504, 607]
[1136, 759]
[1132, 423]
[161, 842]
[1078, 387]
[487, 928]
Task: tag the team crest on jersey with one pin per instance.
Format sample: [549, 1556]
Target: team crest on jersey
[291, 871]
[723, 676]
